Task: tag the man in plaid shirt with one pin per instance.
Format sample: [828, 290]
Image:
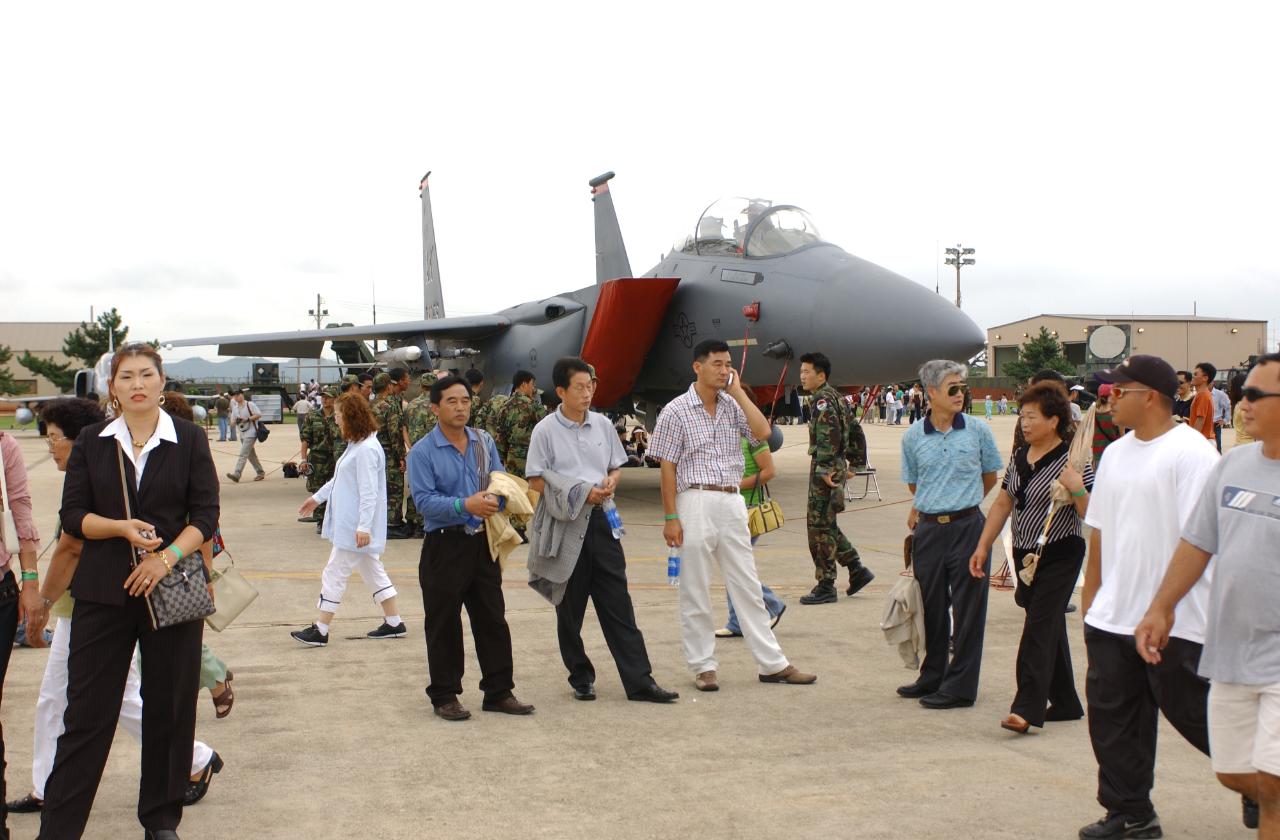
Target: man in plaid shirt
[699, 442]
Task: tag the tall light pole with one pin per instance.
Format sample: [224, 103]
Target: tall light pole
[317, 313]
[958, 256]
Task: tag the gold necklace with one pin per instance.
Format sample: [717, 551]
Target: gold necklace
[138, 444]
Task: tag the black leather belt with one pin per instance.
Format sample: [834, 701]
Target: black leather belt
[456, 529]
[946, 518]
[715, 488]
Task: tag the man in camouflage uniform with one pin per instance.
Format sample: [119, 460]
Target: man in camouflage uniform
[827, 472]
[392, 440]
[484, 412]
[419, 420]
[320, 437]
[515, 421]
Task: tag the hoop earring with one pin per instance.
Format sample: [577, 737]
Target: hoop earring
[115, 404]
[162, 399]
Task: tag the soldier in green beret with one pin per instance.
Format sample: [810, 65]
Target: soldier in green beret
[515, 420]
[419, 420]
[320, 437]
[391, 436]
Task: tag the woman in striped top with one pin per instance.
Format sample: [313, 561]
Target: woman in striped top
[1046, 684]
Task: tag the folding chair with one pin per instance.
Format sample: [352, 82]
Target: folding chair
[869, 483]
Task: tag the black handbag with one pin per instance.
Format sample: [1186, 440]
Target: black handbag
[263, 431]
[182, 595]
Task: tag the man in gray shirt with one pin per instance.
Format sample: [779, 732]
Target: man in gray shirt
[578, 443]
[1237, 524]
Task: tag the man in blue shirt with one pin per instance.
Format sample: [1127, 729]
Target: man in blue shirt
[950, 463]
[448, 473]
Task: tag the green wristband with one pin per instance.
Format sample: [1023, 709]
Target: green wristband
[457, 506]
[1081, 494]
[30, 574]
[176, 551]
[671, 516]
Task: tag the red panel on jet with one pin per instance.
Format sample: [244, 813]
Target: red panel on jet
[629, 312]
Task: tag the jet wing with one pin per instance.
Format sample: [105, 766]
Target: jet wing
[308, 344]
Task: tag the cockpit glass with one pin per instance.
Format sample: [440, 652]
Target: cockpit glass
[782, 231]
[751, 227]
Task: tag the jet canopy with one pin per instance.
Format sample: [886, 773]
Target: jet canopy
[751, 227]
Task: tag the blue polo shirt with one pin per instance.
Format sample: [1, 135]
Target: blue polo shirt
[439, 474]
[947, 467]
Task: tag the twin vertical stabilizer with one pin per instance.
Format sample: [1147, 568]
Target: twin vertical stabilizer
[611, 253]
[432, 292]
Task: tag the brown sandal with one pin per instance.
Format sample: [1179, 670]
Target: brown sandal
[223, 702]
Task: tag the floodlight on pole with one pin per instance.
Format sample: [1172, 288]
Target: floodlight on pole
[956, 256]
[317, 313]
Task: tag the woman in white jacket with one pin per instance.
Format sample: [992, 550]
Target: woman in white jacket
[355, 522]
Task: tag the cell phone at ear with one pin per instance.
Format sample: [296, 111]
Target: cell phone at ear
[730, 383]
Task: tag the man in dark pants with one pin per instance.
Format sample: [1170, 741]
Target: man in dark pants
[448, 473]
[950, 462]
[1146, 490]
[581, 445]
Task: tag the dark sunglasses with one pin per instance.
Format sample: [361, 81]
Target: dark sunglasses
[957, 389]
[1256, 394]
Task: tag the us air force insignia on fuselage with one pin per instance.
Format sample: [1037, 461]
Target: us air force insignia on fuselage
[1251, 501]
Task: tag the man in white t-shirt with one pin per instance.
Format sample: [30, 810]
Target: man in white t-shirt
[1144, 493]
[1237, 524]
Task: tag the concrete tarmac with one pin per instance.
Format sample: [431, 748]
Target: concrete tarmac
[340, 742]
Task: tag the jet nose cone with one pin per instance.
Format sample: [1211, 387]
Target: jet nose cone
[888, 325]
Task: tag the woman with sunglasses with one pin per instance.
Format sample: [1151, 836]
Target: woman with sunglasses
[1046, 683]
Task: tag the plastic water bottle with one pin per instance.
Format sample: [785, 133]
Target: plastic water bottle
[473, 524]
[673, 565]
[615, 519]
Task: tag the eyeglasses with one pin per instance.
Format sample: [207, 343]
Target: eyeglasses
[960, 388]
[1256, 394]
[1119, 391]
[53, 440]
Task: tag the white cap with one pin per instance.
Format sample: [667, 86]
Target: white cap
[1077, 387]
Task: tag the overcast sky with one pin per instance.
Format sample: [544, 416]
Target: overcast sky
[208, 169]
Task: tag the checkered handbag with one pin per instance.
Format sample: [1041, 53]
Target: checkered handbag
[182, 594]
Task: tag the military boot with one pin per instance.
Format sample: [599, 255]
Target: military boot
[823, 593]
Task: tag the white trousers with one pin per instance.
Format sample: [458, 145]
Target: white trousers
[333, 580]
[715, 528]
[52, 704]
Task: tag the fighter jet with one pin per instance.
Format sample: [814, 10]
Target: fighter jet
[754, 273]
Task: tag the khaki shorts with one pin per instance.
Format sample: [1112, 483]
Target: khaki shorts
[1244, 728]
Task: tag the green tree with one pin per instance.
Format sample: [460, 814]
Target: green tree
[59, 373]
[7, 383]
[89, 342]
[1042, 351]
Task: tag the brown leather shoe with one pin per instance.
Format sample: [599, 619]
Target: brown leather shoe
[706, 681]
[453, 710]
[790, 676]
[508, 706]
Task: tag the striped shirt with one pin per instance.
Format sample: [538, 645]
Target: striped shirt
[1031, 488]
[705, 449]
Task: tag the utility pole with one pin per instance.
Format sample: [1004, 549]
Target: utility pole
[318, 313]
[958, 256]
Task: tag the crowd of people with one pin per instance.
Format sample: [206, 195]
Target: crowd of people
[1176, 542]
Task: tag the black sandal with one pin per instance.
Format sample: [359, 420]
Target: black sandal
[196, 790]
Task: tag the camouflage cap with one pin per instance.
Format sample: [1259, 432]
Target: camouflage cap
[330, 392]
[593, 372]
[427, 379]
[352, 378]
[381, 381]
